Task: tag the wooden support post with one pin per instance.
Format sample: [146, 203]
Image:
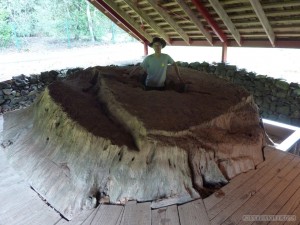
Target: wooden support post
[224, 52]
[145, 48]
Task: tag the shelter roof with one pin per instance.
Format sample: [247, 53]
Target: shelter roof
[245, 23]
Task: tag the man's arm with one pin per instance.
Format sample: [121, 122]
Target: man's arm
[136, 70]
[177, 72]
[140, 68]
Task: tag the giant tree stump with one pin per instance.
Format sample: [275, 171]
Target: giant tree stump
[99, 134]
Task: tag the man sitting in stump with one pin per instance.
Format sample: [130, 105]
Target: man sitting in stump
[155, 66]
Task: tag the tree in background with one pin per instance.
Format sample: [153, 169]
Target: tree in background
[5, 29]
[17, 19]
[90, 21]
[61, 20]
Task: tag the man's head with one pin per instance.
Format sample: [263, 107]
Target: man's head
[157, 41]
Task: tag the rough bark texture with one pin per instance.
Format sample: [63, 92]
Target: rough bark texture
[99, 134]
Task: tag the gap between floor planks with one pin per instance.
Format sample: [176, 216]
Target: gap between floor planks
[133, 213]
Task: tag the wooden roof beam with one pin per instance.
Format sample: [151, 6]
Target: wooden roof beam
[226, 20]
[246, 43]
[123, 18]
[166, 17]
[264, 20]
[195, 20]
[204, 12]
[146, 18]
[275, 5]
[113, 19]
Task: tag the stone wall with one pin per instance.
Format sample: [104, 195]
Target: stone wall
[20, 91]
[277, 99]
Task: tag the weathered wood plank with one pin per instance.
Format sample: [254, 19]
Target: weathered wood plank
[172, 213]
[6, 172]
[143, 213]
[193, 213]
[9, 181]
[137, 214]
[19, 203]
[234, 200]
[238, 181]
[14, 199]
[107, 215]
[166, 216]
[273, 158]
[120, 217]
[91, 217]
[3, 161]
[296, 214]
[128, 215]
[37, 217]
[78, 220]
[293, 217]
[264, 197]
[269, 154]
[282, 200]
[27, 209]
[175, 200]
[289, 208]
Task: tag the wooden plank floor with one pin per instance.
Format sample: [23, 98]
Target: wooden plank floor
[19, 204]
[272, 189]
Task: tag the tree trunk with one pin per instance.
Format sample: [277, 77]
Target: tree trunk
[113, 33]
[90, 21]
[80, 142]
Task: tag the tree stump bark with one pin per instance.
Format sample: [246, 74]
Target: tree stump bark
[98, 134]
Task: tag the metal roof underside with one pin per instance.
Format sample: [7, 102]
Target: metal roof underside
[245, 23]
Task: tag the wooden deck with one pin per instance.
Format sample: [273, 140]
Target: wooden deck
[272, 189]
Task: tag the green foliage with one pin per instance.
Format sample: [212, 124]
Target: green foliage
[101, 24]
[5, 29]
[59, 19]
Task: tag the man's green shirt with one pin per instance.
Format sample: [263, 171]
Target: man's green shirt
[156, 68]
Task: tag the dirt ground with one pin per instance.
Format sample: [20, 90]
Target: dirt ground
[40, 55]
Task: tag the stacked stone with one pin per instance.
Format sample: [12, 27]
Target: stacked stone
[20, 91]
[277, 99]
